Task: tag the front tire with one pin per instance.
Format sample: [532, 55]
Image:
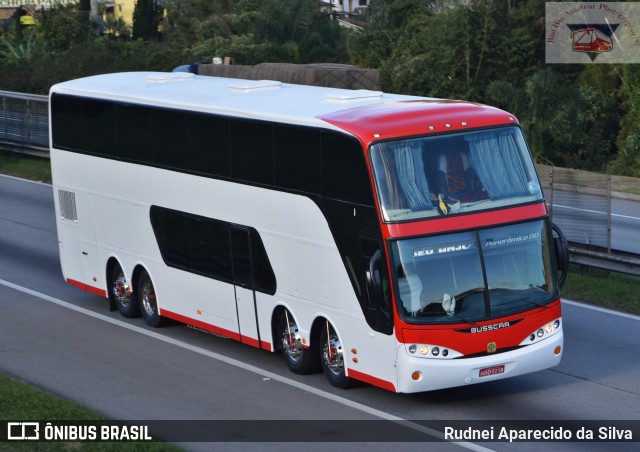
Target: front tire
[332, 358]
[148, 301]
[121, 294]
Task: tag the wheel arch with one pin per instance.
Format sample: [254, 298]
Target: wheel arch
[275, 319]
[138, 270]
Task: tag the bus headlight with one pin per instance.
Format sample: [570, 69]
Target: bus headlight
[431, 351]
[542, 333]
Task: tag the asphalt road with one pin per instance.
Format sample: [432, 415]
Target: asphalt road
[67, 342]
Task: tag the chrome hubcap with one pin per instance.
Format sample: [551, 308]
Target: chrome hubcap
[120, 290]
[148, 299]
[332, 355]
[291, 343]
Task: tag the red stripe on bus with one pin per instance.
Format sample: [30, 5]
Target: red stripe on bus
[464, 222]
[198, 323]
[384, 384]
[217, 330]
[266, 346]
[250, 341]
[87, 287]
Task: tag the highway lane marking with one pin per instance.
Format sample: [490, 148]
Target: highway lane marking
[596, 211]
[248, 367]
[599, 309]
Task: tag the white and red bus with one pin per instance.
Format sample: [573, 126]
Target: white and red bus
[396, 240]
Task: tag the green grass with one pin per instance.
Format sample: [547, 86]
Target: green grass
[20, 401]
[603, 288]
[32, 168]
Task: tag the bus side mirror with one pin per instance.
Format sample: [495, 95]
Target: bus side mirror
[378, 299]
[374, 282]
[562, 253]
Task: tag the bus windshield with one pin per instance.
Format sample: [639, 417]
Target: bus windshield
[453, 173]
[476, 275]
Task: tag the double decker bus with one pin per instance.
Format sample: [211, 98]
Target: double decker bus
[396, 240]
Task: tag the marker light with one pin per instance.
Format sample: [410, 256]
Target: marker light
[557, 350]
[416, 375]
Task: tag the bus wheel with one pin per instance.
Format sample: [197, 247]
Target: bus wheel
[332, 357]
[300, 360]
[120, 293]
[148, 301]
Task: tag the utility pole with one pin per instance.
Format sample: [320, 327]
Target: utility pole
[93, 14]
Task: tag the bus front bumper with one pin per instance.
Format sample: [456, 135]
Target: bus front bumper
[422, 374]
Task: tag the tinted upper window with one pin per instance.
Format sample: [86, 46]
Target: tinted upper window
[67, 122]
[133, 124]
[209, 145]
[344, 173]
[252, 151]
[298, 158]
[170, 138]
[99, 127]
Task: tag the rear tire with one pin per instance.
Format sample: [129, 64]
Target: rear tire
[148, 301]
[299, 359]
[121, 294]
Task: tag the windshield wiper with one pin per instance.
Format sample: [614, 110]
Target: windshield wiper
[458, 316]
[526, 300]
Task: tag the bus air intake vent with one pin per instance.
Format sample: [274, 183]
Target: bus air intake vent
[68, 205]
[250, 86]
[170, 78]
[353, 96]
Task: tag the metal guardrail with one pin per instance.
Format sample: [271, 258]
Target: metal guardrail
[24, 128]
[24, 123]
[618, 263]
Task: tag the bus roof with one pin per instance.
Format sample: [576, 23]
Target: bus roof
[369, 115]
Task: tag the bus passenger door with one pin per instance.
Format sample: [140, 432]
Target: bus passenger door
[243, 283]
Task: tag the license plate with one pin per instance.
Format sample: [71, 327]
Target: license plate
[495, 370]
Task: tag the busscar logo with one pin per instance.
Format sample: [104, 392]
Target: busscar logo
[488, 328]
[592, 39]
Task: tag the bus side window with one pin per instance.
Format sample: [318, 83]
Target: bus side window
[252, 151]
[344, 172]
[134, 133]
[298, 160]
